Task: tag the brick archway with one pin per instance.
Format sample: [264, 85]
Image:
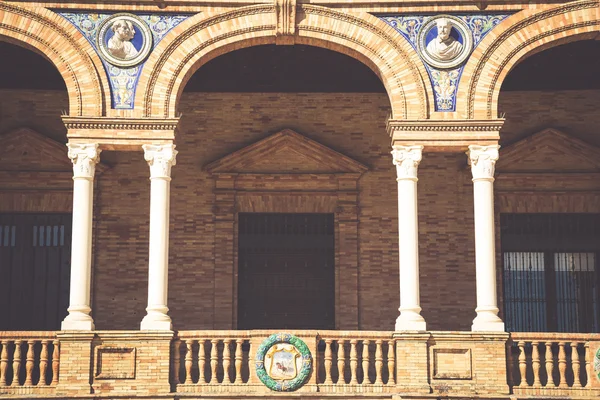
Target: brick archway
[50, 35]
[516, 38]
[364, 37]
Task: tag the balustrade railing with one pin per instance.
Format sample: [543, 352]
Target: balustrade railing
[351, 359]
[29, 362]
[549, 362]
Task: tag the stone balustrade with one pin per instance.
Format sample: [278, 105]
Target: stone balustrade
[552, 363]
[29, 362]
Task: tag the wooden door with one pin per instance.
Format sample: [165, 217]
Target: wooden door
[286, 271]
[35, 251]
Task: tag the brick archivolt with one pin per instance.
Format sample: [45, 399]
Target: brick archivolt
[76, 61]
[206, 36]
[514, 39]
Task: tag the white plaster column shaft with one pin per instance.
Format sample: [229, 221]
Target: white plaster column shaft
[84, 158]
[483, 161]
[406, 160]
[160, 158]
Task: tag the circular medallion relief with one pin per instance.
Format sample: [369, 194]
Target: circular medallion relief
[445, 41]
[124, 40]
[283, 362]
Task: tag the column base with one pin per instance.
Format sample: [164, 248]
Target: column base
[156, 322]
[410, 322]
[77, 321]
[486, 321]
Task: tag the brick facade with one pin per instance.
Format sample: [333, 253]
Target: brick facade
[215, 124]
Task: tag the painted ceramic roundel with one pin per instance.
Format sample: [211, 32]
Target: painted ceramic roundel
[283, 362]
[124, 40]
[445, 41]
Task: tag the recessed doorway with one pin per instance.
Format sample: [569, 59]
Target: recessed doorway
[286, 271]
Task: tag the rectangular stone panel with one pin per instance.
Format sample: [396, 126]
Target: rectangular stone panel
[452, 364]
[115, 362]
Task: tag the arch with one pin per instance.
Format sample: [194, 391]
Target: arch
[364, 37]
[54, 38]
[514, 39]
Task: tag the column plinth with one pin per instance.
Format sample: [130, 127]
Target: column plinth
[482, 160]
[84, 158]
[160, 158]
[406, 159]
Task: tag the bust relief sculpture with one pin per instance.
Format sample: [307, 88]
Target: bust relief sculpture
[447, 48]
[120, 44]
[444, 47]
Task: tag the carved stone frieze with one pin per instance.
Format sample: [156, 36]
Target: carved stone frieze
[84, 158]
[160, 158]
[406, 160]
[482, 160]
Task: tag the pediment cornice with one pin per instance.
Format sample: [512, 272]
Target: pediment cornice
[286, 152]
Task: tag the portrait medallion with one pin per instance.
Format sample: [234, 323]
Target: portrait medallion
[283, 362]
[124, 40]
[445, 41]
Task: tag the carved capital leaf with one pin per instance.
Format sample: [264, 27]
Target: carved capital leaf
[482, 160]
[84, 156]
[160, 158]
[406, 160]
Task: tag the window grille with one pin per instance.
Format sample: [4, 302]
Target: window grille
[551, 273]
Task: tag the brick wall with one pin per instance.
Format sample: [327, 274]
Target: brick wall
[214, 125]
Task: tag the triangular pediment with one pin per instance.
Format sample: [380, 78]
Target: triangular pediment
[26, 150]
[549, 151]
[286, 152]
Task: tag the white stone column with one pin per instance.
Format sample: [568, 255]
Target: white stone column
[160, 159]
[483, 161]
[406, 160]
[84, 158]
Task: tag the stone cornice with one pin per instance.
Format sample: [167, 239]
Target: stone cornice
[132, 124]
[120, 133]
[444, 134]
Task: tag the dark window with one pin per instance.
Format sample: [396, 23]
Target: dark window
[286, 271]
[550, 266]
[35, 251]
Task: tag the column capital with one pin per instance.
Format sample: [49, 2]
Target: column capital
[160, 158]
[482, 160]
[84, 156]
[407, 159]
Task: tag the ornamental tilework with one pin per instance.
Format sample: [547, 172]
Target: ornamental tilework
[123, 80]
[444, 82]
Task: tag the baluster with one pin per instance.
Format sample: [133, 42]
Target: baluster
[239, 357]
[378, 363]
[353, 362]
[226, 360]
[16, 363]
[562, 364]
[576, 365]
[328, 361]
[43, 363]
[55, 362]
[535, 362]
[341, 362]
[391, 360]
[214, 360]
[365, 362]
[188, 361]
[3, 361]
[588, 365]
[201, 361]
[549, 364]
[30, 357]
[522, 364]
[176, 361]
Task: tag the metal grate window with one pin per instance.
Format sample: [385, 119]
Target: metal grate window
[550, 270]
